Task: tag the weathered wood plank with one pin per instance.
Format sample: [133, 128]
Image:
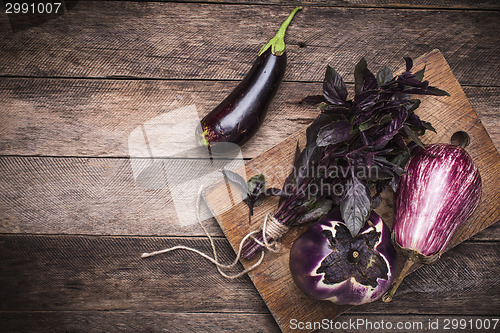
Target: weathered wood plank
[107, 273]
[157, 321]
[100, 196]
[56, 117]
[128, 321]
[491, 233]
[85, 273]
[483, 100]
[440, 4]
[71, 117]
[97, 196]
[214, 41]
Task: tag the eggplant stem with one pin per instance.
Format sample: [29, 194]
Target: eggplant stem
[277, 43]
[406, 269]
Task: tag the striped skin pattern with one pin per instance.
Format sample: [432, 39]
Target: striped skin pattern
[435, 198]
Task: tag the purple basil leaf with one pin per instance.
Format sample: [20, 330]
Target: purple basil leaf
[409, 63]
[437, 92]
[359, 75]
[393, 127]
[395, 182]
[313, 129]
[429, 126]
[413, 104]
[401, 159]
[306, 160]
[426, 91]
[415, 121]
[366, 125]
[370, 82]
[366, 99]
[355, 206]
[322, 207]
[400, 142]
[367, 141]
[237, 180]
[396, 169]
[335, 110]
[333, 133]
[334, 89]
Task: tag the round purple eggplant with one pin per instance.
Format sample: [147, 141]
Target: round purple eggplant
[236, 119]
[439, 192]
[327, 263]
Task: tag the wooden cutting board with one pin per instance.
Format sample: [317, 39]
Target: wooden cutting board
[272, 278]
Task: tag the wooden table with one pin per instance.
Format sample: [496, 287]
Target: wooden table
[74, 86]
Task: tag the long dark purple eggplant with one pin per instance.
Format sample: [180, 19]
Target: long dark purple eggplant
[240, 115]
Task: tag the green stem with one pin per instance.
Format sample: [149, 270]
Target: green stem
[406, 269]
[277, 43]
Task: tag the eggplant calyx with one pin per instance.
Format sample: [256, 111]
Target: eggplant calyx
[415, 255]
[202, 137]
[353, 257]
[277, 43]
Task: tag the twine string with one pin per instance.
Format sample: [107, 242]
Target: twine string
[273, 230]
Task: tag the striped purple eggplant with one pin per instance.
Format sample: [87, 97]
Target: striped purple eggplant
[327, 263]
[440, 191]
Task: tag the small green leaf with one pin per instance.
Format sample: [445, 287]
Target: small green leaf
[366, 125]
[420, 74]
[412, 135]
[255, 181]
[384, 76]
[415, 103]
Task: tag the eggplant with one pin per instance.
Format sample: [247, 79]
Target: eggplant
[327, 263]
[236, 119]
[439, 192]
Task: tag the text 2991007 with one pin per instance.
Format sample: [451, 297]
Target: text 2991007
[32, 8]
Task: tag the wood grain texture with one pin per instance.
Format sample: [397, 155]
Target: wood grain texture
[82, 118]
[272, 277]
[45, 273]
[87, 273]
[441, 4]
[153, 40]
[75, 87]
[99, 196]
[137, 322]
[156, 321]
[484, 102]
[54, 117]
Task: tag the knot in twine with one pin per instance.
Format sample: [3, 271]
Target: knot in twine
[271, 228]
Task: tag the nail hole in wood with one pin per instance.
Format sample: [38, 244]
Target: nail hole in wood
[461, 139]
[302, 44]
